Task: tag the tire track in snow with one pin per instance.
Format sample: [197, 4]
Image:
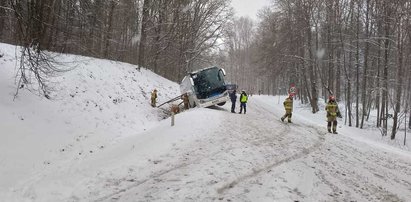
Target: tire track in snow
[153, 177]
[159, 176]
[352, 171]
[268, 167]
[363, 173]
[261, 140]
[246, 138]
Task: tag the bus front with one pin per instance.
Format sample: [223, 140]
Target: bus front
[209, 86]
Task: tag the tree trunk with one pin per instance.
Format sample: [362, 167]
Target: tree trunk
[384, 109]
[3, 3]
[109, 30]
[378, 96]
[313, 79]
[338, 77]
[409, 92]
[409, 120]
[400, 73]
[366, 51]
[143, 35]
[349, 105]
[357, 59]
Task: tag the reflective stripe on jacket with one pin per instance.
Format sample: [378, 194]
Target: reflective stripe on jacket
[332, 109]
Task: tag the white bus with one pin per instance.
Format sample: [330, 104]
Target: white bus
[205, 87]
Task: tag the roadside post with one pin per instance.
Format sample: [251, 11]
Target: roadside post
[172, 118]
[174, 110]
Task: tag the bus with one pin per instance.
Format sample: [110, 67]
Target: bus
[205, 87]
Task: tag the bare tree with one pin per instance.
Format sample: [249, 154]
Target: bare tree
[36, 65]
[401, 37]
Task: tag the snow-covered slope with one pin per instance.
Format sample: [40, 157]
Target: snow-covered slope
[95, 104]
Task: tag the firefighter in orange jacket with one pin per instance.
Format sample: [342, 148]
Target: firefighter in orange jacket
[186, 101]
[288, 106]
[332, 113]
[153, 98]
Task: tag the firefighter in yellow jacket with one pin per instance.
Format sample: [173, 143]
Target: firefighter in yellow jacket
[186, 101]
[153, 98]
[332, 113]
[288, 106]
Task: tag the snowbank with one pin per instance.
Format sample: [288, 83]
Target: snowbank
[93, 106]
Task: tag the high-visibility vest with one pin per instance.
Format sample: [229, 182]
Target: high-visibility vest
[243, 98]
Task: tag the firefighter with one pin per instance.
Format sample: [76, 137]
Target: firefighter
[186, 102]
[288, 106]
[332, 113]
[243, 102]
[153, 98]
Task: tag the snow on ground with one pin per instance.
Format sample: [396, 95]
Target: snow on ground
[93, 106]
[99, 140]
[369, 134]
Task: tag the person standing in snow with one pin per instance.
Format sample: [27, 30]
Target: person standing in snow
[233, 98]
[288, 106]
[186, 102]
[154, 98]
[243, 102]
[332, 113]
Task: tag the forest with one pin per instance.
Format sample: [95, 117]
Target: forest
[357, 50]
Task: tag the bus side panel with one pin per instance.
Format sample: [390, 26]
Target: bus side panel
[187, 87]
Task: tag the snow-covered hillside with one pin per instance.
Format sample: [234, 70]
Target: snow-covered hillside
[94, 105]
[98, 139]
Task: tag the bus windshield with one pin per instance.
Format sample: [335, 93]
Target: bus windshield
[209, 83]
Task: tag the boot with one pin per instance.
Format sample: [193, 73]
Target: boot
[329, 130]
[335, 132]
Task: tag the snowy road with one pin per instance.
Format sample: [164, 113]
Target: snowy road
[214, 155]
[257, 158]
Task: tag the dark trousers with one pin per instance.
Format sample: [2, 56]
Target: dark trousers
[232, 106]
[287, 114]
[243, 105]
[334, 125]
[153, 102]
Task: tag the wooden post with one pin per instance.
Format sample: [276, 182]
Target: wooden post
[175, 109]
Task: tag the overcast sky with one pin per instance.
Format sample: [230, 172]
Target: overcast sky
[248, 7]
